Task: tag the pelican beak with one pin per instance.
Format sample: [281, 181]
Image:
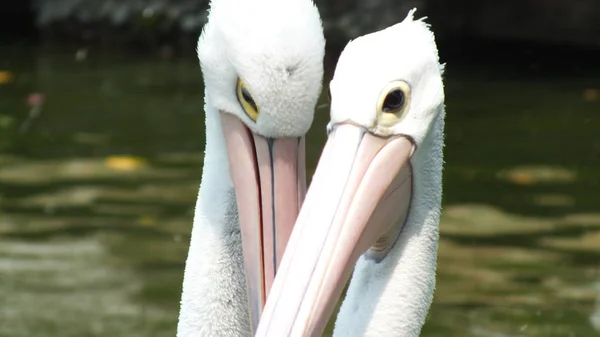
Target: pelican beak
[357, 202]
[269, 180]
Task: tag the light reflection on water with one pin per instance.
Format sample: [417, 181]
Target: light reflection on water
[97, 200]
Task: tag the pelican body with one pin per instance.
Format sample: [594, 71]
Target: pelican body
[375, 200]
[262, 63]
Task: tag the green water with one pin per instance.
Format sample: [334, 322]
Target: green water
[97, 195]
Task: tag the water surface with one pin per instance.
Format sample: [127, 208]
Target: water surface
[97, 192]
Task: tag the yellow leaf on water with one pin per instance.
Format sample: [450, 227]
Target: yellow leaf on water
[147, 220]
[5, 76]
[124, 163]
[520, 178]
[532, 175]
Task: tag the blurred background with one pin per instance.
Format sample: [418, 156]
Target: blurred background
[101, 148]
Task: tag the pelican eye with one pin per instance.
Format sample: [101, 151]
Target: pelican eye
[393, 103]
[246, 101]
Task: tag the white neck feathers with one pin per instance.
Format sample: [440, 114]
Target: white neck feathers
[392, 297]
[214, 298]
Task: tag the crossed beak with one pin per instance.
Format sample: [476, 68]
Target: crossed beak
[270, 184]
[357, 202]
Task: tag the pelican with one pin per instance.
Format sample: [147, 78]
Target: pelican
[262, 64]
[375, 200]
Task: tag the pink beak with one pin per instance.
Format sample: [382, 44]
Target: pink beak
[358, 202]
[269, 180]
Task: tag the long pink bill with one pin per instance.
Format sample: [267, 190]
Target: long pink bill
[358, 201]
[270, 184]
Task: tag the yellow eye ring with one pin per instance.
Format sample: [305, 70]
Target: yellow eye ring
[246, 100]
[393, 103]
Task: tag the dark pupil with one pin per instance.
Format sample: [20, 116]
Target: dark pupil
[394, 101]
[248, 98]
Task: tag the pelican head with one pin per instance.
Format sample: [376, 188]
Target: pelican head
[387, 104]
[262, 63]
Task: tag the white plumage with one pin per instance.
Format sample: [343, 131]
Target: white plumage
[382, 167]
[276, 47]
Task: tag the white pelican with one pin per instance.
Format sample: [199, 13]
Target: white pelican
[262, 63]
[375, 200]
